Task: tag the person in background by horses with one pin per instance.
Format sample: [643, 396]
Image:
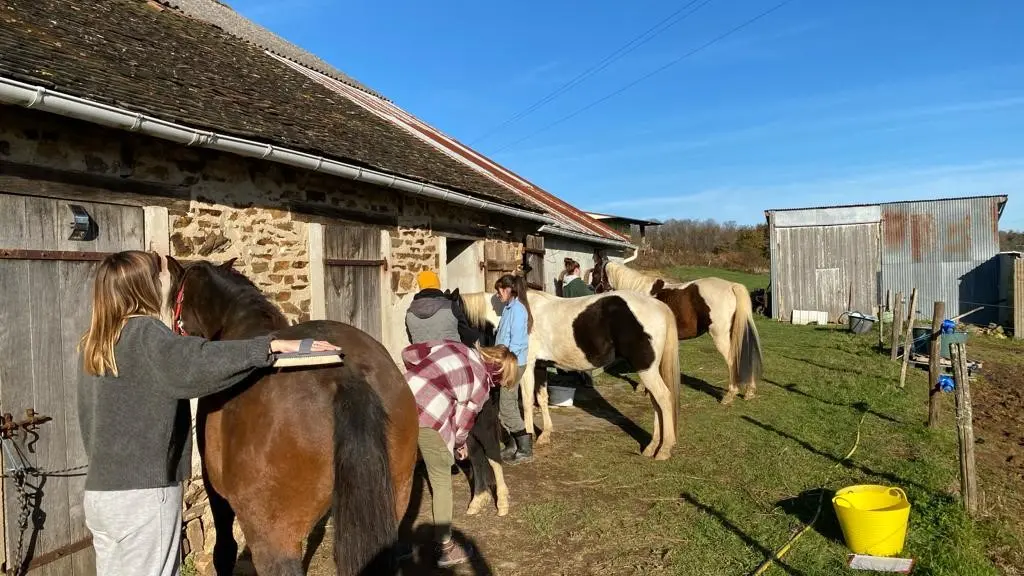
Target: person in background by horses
[134, 415]
[513, 332]
[435, 315]
[573, 285]
[451, 382]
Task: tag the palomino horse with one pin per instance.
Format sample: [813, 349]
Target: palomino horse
[706, 305]
[590, 332]
[292, 444]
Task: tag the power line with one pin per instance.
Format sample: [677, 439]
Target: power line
[644, 77]
[607, 61]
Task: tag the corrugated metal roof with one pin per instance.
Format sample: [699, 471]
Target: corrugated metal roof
[1002, 197]
[567, 215]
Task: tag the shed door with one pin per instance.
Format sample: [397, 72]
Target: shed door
[533, 262]
[45, 289]
[353, 265]
[499, 260]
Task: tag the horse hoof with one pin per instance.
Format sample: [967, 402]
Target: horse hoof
[475, 505]
[649, 451]
[663, 455]
[503, 509]
[748, 396]
[543, 439]
[728, 399]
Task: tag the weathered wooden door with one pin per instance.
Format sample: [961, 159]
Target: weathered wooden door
[45, 289]
[499, 260]
[533, 262]
[353, 266]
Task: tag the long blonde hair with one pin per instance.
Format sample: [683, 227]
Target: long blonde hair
[127, 284]
[503, 359]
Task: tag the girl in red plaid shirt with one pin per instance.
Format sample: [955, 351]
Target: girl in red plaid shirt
[451, 382]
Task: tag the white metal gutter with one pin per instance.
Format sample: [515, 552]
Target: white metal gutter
[39, 98]
[558, 231]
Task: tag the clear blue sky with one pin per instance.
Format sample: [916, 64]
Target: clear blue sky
[821, 102]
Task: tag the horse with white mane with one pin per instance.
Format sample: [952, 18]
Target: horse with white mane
[705, 305]
[590, 332]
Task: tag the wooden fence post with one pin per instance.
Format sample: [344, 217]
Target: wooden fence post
[964, 427]
[934, 365]
[908, 340]
[1018, 298]
[897, 326]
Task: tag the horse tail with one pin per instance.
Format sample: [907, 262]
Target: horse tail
[365, 527]
[745, 348]
[670, 359]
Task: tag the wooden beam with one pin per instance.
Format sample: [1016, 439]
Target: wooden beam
[352, 262]
[964, 428]
[897, 327]
[67, 256]
[908, 341]
[317, 273]
[31, 180]
[934, 367]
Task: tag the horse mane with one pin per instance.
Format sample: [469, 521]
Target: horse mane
[476, 304]
[241, 294]
[623, 278]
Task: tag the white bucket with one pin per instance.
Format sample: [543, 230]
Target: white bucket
[560, 395]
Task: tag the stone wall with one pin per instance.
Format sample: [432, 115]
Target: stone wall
[222, 206]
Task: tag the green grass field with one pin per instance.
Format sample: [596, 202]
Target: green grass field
[687, 273]
[744, 478]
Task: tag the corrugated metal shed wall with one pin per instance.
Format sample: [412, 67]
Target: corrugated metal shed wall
[833, 268]
[947, 249]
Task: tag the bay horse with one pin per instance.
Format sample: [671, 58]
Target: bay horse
[289, 446]
[707, 305]
[590, 332]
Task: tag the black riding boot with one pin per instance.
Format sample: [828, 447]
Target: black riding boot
[524, 450]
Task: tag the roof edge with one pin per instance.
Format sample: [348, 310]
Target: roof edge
[1002, 197]
[44, 99]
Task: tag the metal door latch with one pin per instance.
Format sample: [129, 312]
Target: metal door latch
[9, 426]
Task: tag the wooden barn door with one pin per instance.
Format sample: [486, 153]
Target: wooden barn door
[499, 260]
[45, 289]
[353, 265]
[533, 262]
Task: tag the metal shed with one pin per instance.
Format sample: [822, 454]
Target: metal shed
[846, 257]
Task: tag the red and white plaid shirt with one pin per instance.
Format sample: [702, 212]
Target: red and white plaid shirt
[451, 384]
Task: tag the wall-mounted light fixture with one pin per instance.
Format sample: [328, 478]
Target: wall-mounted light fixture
[83, 227]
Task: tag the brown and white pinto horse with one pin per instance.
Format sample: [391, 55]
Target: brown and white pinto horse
[591, 332]
[283, 449]
[707, 305]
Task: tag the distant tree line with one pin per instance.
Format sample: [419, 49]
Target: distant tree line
[730, 245]
[1011, 241]
[707, 243]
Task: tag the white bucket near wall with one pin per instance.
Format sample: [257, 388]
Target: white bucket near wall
[560, 395]
[802, 317]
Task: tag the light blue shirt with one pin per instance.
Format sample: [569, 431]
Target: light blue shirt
[512, 329]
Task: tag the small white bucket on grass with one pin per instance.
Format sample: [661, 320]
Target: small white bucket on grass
[560, 395]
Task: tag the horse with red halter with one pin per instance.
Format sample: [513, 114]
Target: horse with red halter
[292, 445]
[705, 305]
[591, 332]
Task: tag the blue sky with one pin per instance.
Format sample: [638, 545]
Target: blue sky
[821, 102]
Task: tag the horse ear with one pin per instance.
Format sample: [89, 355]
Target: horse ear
[659, 284]
[175, 268]
[229, 264]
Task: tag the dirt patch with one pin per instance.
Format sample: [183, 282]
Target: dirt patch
[998, 404]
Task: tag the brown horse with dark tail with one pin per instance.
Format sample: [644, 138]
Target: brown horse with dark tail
[291, 445]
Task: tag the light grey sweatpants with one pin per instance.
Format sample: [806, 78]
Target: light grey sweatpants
[508, 405]
[136, 532]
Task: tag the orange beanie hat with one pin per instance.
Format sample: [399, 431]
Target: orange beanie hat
[428, 279]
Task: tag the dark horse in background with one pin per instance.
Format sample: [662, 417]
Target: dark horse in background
[287, 447]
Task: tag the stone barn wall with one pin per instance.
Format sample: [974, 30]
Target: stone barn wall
[222, 206]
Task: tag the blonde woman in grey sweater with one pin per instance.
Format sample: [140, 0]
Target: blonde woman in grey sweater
[134, 414]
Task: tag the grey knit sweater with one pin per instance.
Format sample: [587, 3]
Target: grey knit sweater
[135, 427]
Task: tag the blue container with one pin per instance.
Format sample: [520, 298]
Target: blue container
[948, 326]
[946, 383]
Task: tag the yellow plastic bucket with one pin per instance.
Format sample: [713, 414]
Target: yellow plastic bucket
[873, 518]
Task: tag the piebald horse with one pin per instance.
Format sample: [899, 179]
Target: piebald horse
[591, 332]
[284, 449]
[708, 305]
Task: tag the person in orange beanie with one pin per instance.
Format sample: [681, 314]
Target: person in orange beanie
[436, 315]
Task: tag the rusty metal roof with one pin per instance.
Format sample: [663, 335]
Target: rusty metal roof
[1002, 204]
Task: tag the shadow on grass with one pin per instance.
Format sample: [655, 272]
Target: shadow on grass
[703, 386]
[860, 407]
[830, 367]
[804, 505]
[845, 463]
[746, 538]
[590, 401]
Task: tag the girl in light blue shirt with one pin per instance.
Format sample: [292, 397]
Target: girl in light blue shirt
[513, 331]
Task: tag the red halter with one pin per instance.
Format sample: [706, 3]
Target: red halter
[176, 323]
